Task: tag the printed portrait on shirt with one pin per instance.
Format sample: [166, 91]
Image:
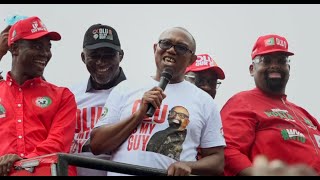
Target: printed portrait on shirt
[169, 141]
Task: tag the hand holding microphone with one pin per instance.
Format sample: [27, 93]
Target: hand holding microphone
[165, 78]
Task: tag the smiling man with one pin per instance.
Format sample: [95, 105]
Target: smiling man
[125, 129]
[101, 55]
[263, 121]
[169, 141]
[37, 117]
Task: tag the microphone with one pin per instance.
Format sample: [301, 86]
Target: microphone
[165, 78]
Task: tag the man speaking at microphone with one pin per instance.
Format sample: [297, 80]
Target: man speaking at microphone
[125, 129]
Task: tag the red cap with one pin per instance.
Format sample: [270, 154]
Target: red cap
[204, 62]
[30, 28]
[270, 43]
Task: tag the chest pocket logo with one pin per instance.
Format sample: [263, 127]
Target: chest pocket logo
[43, 102]
[2, 111]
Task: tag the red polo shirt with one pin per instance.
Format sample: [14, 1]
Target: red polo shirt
[256, 123]
[36, 118]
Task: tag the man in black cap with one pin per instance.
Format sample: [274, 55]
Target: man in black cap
[102, 55]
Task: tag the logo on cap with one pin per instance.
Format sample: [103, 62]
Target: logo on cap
[270, 43]
[29, 29]
[99, 36]
[204, 60]
[36, 27]
[102, 33]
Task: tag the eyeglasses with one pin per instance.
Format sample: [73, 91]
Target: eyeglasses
[268, 59]
[218, 84]
[210, 82]
[190, 78]
[179, 48]
[202, 81]
[173, 113]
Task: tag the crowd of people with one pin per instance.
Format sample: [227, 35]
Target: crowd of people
[257, 132]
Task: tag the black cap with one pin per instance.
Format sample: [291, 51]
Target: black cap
[98, 36]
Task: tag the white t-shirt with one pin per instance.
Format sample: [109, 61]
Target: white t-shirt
[89, 108]
[204, 128]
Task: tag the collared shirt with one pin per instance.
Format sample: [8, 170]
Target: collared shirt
[36, 118]
[258, 123]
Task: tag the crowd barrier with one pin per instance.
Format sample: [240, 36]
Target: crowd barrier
[57, 165]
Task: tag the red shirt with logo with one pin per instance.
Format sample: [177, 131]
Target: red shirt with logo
[36, 118]
[256, 123]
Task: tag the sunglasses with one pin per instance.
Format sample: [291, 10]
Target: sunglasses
[179, 48]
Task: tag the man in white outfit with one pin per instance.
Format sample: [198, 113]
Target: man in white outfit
[125, 130]
[102, 55]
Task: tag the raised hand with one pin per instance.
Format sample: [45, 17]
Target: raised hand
[4, 41]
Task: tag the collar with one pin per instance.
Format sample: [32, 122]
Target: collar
[121, 77]
[259, 91]
[10, 81]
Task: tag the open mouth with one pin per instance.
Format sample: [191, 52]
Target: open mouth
[40, 63]
[169, 61]
[274, 75]
[103, 70]
[176, 121]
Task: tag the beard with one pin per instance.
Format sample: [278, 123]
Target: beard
[276, 84]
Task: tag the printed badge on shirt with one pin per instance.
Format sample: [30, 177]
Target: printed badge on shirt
[293, 134]
[279, 113]
[104, 113]
[2, 111]
[43, 102]
[310, 124]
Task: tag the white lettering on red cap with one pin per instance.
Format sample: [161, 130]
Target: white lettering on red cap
[281, 42]
[36, 27]
[204, 60]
